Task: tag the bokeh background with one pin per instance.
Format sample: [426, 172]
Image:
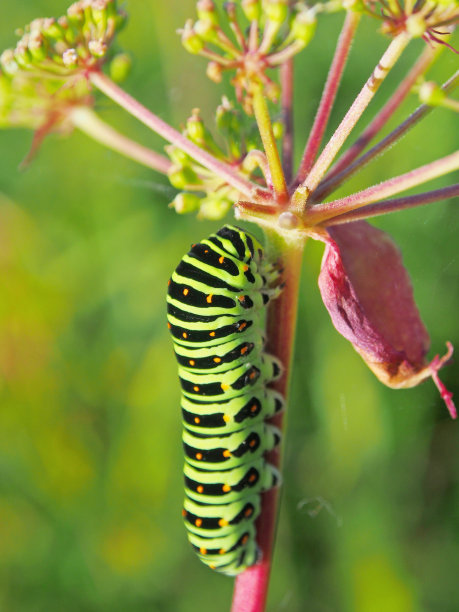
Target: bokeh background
[90, 450]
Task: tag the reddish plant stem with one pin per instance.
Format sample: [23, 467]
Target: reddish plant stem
[423, 63]
[329, 93]
[251, 587]
[330, 184]
[286, 77]
[395, 205]
[132, 106]
[319, 214]
[366, 94]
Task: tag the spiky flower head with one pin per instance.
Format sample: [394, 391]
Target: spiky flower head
[430, 20]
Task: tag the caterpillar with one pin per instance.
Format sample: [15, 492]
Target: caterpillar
[216, 305]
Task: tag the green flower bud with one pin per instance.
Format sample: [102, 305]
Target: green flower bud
[179, 157]
[276, 10]
[181, 178]
[252, 9]
[278, 129]
[192, 42]
[36, 44]
[206, 30]
[120, 67]
[214, 208]
[196, 131]
[22, 55]
[206, 11]
[304, 26]
[185, 203]
[431, 94]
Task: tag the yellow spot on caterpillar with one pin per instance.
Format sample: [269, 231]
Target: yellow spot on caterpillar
[186, 291]
[169, 326]
[226, 418]
[222, 551]
[183, 512]
[225, 386]
[223, 523]
[196, 388]
[217, 359]
[212, 566]
[192, 362]
[198, 522]
[197, 420]
[168, 282]
[253, 408]
[200, 489]
[242, 326]
[206, 251]
[185, 335]
[252, 375]
[209, 298]
[212, 334]
[244, 350]
[248, 512]
[199, 456]
[245, 268]
[221, 260]
[252, 478]
[226, 488]
[245, 539]
[203, 551]
[226, 453]
[252, 443]
[241, 298]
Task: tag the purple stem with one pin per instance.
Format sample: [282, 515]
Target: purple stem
[318, 214]
[386, 112]
[395, 205]
[328, 95]
[329, 185]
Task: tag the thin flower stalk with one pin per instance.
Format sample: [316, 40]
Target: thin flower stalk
[286, 77]
[330, 184]
[427, 57]
[224, 170]
[87, 121]
[365, 96]
[319, 214]
[329, 93]
[265, 127]
[395, 205]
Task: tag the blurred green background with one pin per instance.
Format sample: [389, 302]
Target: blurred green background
[90, 450]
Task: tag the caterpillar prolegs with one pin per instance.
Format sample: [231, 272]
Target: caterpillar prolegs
[216, 307]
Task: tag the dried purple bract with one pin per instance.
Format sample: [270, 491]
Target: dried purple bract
[368, 293]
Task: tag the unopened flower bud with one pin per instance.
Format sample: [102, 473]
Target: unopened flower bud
[196, 131]
[214, 208]
[181, 178]
[97, 48]
[70, 58]
[214, 71]
[8, 63]
[304, 26]
[192, 42]
[206, 11]
[276, 10]
[120, 67]
[252, 9]
[432, 94]
[278, 129]
[206, 30]
[185, 203]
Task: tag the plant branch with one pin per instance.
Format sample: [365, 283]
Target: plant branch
[330, 184]
[318, 214]
[365, 96]
[132, 106]
[251, 586]
[87, 121]
[427, 57]
[286, 77]
[395, 205]
[265, 127]
[329, 93]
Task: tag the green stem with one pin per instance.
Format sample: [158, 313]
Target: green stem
[251, 587]
[265, 127]
[86, 120]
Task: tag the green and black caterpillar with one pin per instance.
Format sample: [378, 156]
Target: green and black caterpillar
[216, 304]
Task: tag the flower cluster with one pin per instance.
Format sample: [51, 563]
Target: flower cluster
[201, 190]
[427, 19]
[276, 32]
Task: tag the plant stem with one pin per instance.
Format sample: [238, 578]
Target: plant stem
[365, 96]
[329, 93]
[423, 63]
[86, 120]
[286, 77]
[330, 184]
[132, 106]
[251, 586]
[395, 205]
[318, 214]
[265, 127]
